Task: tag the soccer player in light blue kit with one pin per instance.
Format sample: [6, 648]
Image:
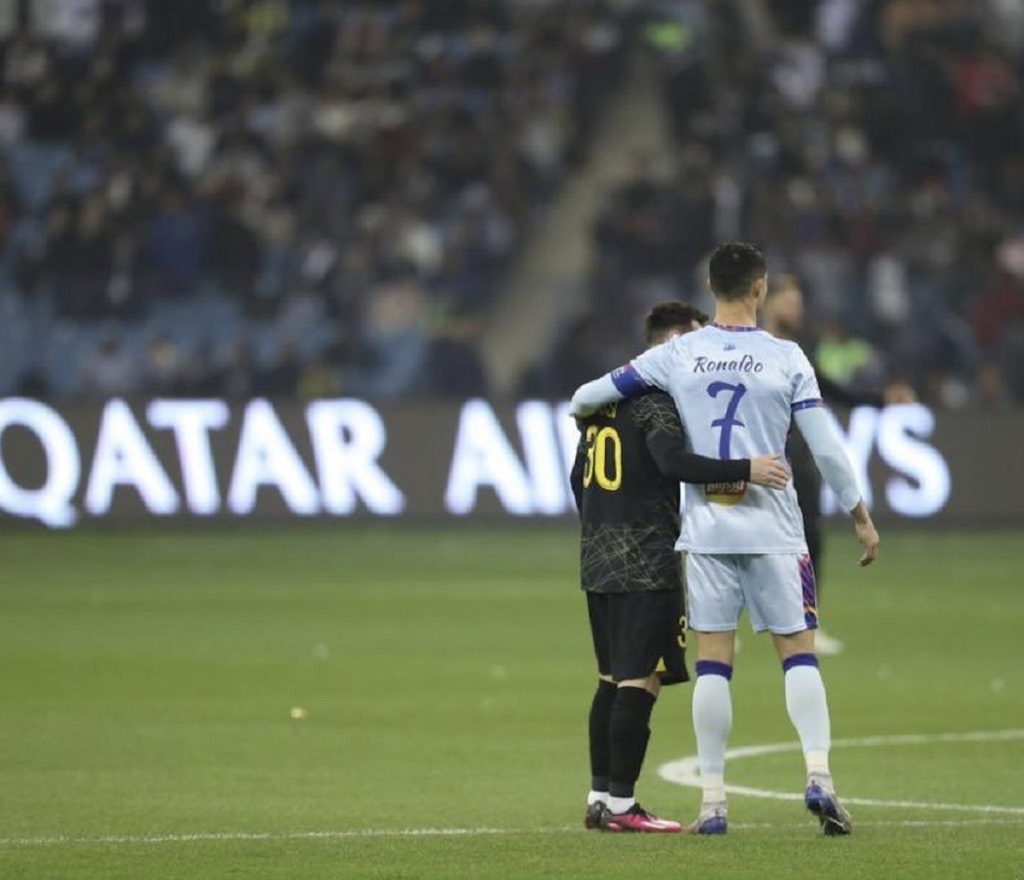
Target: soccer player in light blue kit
[737, 389]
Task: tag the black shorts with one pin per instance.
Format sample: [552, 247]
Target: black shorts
[636, 634]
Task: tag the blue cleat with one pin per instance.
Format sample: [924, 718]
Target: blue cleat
[835, 819]
[712, 820]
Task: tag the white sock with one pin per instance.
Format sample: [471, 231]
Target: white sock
[712, 723]
[620, 804]
[808, 710]
[713, 787]
[817, 764]
[597, 797]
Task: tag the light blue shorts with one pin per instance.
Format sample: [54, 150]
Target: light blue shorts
[778, 590]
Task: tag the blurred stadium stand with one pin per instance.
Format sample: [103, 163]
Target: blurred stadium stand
[278, 197]
[874, 149]
[269, 197]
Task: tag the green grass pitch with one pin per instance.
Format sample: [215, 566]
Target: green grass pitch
[148, 681]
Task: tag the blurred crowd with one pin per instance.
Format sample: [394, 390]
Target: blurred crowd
[874, 148]
[314, 197]
[277, 196]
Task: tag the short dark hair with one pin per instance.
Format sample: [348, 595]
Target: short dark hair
[668, 316]
[734, 269]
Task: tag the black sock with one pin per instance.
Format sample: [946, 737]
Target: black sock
[600, 724]
[629, 736]
[643, 748]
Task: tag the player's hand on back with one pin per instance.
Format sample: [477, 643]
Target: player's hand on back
[769, 470]
[867, 534]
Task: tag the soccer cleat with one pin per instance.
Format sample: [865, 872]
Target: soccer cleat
[835, 819]
[637, 819]
[712, 820]
[594, 813]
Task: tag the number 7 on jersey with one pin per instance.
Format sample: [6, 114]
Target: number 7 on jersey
[729, 420]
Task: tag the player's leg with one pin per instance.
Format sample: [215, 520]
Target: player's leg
[806, 701]
[600, 711]
[782, 598]
[807, 704]
[642, 625]
[600, 749]
[792, 616]
[629, 735]
[714, 605]
[712, 725]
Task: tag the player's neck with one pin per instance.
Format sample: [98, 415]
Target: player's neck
[736, 314]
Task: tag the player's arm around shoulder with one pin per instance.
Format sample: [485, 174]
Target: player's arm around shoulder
[591, 396]
[652, 369]
[657, 417]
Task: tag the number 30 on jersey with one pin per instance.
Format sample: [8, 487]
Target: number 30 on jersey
[604, 458]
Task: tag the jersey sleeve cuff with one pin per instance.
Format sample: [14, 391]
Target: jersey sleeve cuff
[808, 404]
[850, 499]
[628, 381]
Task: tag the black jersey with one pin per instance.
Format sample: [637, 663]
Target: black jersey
[629, 462]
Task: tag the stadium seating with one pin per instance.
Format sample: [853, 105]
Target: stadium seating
[873, 149]
[251, 182]
[294, 186]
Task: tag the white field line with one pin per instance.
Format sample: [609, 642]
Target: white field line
[682, 772]
[685, 771]
[215, 836]
[255, 836]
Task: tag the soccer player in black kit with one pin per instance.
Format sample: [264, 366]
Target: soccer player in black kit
[629, 463]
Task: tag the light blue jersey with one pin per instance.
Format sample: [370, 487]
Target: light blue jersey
[736, 389]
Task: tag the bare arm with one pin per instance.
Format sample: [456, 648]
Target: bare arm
[867, 534]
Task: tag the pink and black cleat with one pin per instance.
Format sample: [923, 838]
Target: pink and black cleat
[637, 820]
